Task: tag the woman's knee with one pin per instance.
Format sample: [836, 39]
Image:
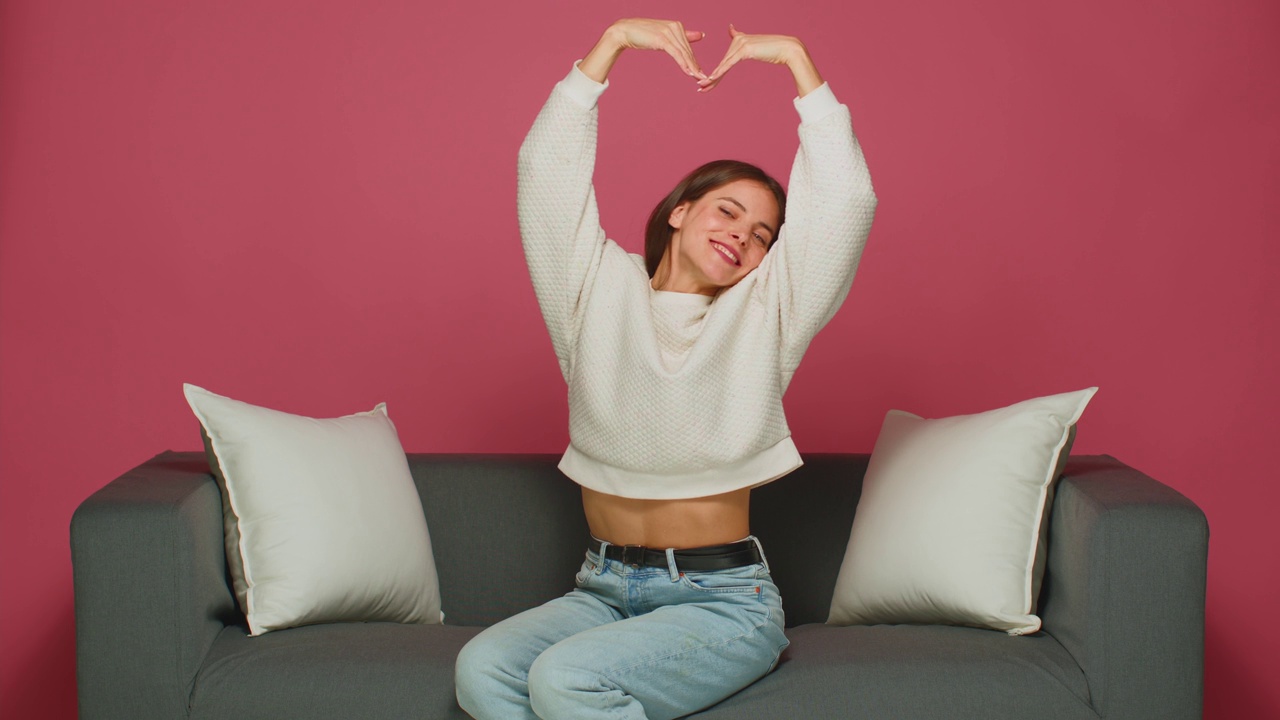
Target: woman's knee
[480, 669]
[468, 673]
[559, 687]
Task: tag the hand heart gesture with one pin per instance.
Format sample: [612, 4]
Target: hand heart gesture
[672, 38]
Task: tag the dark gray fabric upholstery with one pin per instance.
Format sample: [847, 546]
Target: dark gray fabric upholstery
[519, 517]
[803, 521]
[159, 634]
[1125, 589]
[343, 671]
[151, 588]
[887, 672]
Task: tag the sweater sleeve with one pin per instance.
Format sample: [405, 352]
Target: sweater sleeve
[559, 222]
[830, 207]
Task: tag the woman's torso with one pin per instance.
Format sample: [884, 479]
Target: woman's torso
[692, 522]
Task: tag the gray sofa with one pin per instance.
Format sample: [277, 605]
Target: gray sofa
[159, 635]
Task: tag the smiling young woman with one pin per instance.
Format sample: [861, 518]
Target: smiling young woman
[676, 364]
[699, 241]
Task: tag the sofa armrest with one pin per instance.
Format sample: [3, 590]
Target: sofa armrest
[1124, 589]
[151, 590]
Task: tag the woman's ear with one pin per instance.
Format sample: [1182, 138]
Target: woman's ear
[676, 218]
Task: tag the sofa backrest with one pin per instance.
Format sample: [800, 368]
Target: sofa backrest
[508, 532]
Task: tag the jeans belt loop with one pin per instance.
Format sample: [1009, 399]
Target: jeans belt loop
[671, 565]
[603, 545]
[760, 547]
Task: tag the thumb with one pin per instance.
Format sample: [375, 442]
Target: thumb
[694, 35]
[733, 31]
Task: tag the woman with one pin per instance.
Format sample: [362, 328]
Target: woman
[676, 365]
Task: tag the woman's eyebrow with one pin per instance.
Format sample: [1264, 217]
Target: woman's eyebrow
[772, 232]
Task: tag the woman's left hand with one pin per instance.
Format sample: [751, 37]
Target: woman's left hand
[776, 49]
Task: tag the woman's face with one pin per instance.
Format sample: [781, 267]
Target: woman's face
[721, 237]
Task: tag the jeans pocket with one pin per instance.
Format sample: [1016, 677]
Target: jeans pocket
[745, 579]
[585, 572]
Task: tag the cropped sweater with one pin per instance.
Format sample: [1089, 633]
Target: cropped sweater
[679, 395]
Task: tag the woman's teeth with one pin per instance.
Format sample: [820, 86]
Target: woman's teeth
[726, 253]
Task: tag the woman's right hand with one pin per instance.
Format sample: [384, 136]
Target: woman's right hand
[643, 34]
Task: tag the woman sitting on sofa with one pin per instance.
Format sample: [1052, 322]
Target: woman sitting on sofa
[676, 365]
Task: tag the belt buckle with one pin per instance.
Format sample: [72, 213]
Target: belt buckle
[633, 555]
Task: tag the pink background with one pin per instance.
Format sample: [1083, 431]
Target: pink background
[311, 206]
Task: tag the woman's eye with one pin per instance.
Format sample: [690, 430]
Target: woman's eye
[760, 237]
[726, 212]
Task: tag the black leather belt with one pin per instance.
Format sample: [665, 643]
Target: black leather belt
[710, 557]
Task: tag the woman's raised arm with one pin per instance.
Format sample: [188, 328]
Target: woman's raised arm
[830, 201]
[555, 199]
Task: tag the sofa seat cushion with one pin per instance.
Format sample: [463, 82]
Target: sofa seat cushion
[389, 670]
[914, 671]
[341, 670]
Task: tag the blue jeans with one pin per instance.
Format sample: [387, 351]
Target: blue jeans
[627, 642]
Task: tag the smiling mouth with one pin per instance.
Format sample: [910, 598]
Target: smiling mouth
[727, 253]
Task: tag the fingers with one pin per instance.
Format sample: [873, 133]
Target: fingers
[681, 39]
[731, 59]
[669, 36]
[774, 49]
[679, 57]
[674, 40]
[732, 56]
[716, 75]
[683, 59]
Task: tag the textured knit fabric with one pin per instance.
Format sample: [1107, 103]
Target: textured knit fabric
[673, 395]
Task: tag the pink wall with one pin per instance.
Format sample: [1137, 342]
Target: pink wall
[311, 206]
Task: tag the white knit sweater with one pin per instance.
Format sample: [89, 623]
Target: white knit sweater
[679, 395]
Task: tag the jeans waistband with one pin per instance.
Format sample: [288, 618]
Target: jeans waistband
[711, 557]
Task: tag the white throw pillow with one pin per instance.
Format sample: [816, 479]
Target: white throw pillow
[952, 523]
[322, 519]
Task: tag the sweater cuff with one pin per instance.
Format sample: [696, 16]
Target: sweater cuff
[582, 89]
[819, 103]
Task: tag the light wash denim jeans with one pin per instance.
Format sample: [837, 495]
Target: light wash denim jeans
[627, 642]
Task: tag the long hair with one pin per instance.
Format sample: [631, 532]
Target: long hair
[658, 231]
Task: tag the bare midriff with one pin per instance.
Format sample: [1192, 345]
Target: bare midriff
[695, 522]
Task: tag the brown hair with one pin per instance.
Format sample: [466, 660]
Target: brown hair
[704, 179]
